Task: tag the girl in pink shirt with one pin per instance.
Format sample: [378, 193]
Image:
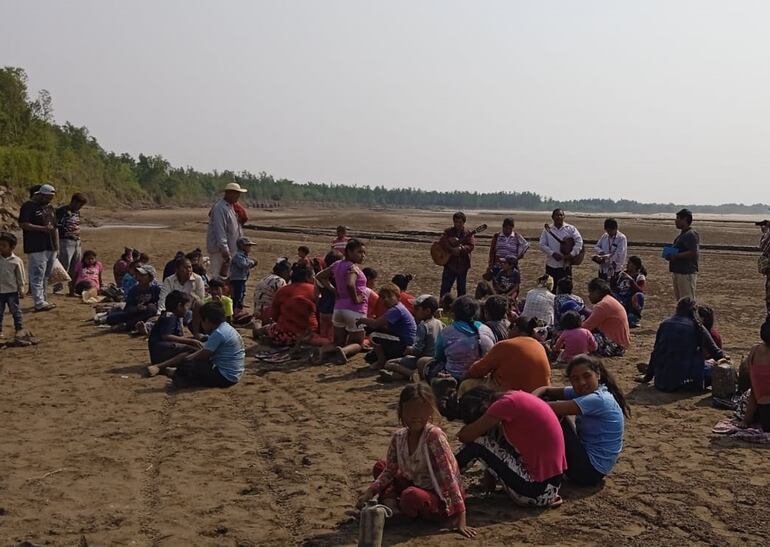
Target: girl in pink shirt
[88, 273]
[574, 339]
[529, 457]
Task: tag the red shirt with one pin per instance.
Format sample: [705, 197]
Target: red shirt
[294, 308]
[533, 430]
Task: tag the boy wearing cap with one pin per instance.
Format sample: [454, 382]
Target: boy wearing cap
[683, 265]
[41, 242]
[223, 231]
[240, 268]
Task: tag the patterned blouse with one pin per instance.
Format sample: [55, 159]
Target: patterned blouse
[441, 469]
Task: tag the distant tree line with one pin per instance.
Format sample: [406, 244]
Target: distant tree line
[33, 148]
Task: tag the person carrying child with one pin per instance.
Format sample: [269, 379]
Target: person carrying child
[594, 442]
[628, 287]
[519, 441]
[167, 343]
[394, 332]
[240, 269]
[420, 477]
[428, 329]
[12, 282]
[220, 362]
[141, 301]
[88, 274]
[574, 339]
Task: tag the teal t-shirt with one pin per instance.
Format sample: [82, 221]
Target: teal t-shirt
[228, 351]
[599, 427]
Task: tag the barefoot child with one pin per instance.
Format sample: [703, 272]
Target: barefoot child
[240, 268]
[11, 282]
[349, 303]
[394, 332]
[420, 477]
[167, 343]
[428, 329]
[220, 362]
[594, 442]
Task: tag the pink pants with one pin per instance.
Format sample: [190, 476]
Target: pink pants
[412, 500]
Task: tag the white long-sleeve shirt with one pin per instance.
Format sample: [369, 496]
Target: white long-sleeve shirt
[224, 230]
[616, 247]
[12, 276]
[549, 245]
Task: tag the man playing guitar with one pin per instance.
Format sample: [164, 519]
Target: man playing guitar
[555, 242]
[459, 243]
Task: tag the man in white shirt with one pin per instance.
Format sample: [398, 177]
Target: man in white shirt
[188, 282]
[223, 232]
[611, 250]
[557, 265]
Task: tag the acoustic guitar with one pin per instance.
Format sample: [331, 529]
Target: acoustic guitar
[566, 246]
[441, 256]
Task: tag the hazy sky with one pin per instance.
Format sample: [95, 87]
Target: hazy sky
[652, 100]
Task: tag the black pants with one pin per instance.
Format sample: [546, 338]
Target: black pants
[11, 300]
[448, 279]
[763, 417]
[199, 374]
[504, 463]
[579, 467]
[129, 315]
[558, 273]
[163, 351]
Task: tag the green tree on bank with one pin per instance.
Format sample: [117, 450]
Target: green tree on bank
[33, 148]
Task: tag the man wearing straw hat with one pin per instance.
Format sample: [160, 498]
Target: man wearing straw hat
[223, 231]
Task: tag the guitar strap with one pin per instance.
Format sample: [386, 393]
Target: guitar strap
[554, 236]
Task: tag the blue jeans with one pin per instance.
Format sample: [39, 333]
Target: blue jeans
[448, 279]
[238, 292]
[11, 299]
[40, 265]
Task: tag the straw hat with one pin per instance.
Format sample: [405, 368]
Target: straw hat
[234, 187]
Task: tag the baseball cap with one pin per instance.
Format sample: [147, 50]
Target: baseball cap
[244, 241]
[147, 269]
[234, 187]
[762, 223]
[426, 301]
[46, 189]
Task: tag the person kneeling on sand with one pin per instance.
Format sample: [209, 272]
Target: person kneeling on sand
[394, 332]
[220, 362]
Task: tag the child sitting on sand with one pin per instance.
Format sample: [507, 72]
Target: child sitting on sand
[11, 282]
[428, 329]
[402, 282]
[220, 362]
[121, 266]
[394, 332]
[216, 292]
[167, 343]
[420, 477]
[594, 442]
[88, 273]
[573, 339]
[141, 301]
[496, 316]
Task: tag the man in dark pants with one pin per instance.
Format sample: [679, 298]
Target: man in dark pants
[459, 243]
[557, 265]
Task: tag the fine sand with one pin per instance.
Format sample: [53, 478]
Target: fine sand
[92, 449]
